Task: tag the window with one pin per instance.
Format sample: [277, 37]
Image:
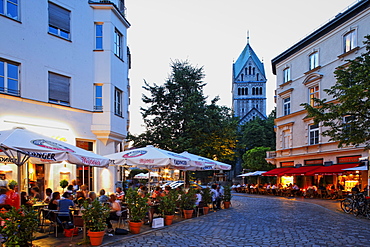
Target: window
[286, 106]
[286, 75]
[314, 134]
[118, 44]
[314, 60]
[348, 126]
[98, 97]
[314, 93]
[242, 76]
[9, 82]
[10, 8]
[350, 41]
[286, 139]
[118, 102]
[98, 37]
[59, 21]
[58, 89]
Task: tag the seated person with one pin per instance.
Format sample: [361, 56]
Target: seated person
[103, 198]
[64, 214]
[115, 211]
[35, 194]
[24, 199]
[3, 192]
[91, 196]
[80, 198]
[120, 194]
[48, 193]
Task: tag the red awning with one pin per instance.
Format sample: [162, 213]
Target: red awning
[277, 171]
[301, 171]
[332, 170]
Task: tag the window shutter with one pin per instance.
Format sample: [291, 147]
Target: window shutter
[58, 88]
[59, 17]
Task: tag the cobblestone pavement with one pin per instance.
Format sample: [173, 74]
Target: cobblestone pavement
[261, 221]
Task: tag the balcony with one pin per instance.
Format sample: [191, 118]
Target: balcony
[120, 4]
[271, 154]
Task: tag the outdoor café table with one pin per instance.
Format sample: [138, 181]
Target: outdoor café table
[152, 210]
[39, 206]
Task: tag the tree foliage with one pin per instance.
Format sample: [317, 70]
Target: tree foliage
[254, 159]
[178, 118]
[258, 133]
[348, 116]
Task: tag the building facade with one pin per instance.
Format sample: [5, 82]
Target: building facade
[302, 73]
[64, 73]
[249, 86]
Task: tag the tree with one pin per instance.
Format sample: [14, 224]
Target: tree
[254, 159]
[348, 115]
[179, 119]
[258, 133]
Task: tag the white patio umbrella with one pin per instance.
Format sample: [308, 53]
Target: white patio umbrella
[146, 175]
[358, 168]
[199, 163]
[150, 157]
[21, 145]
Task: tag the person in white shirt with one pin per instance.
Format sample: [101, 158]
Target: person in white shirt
[215, 196]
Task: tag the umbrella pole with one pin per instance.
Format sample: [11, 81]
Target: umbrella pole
[149, 181]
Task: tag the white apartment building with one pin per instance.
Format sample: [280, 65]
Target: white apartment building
[302, 72]
[64, 73]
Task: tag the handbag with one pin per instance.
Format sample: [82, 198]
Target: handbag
[68, 225]
[120, 231]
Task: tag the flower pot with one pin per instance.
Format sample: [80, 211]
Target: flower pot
[188, 214]
[168, 219]
[96, 238]
[205, 210]
[135, 227]
[227, 205]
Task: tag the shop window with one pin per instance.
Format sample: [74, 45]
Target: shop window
[59, 21]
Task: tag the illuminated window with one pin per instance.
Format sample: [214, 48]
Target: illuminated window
[314, 93]
[350, 40]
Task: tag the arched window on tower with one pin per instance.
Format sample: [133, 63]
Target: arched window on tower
[254, 71]
[246, 71]
[239, 91]
[243, 91]
[250, 70]
[253, 91]
[246, 91]
[261, 91]
[258, 75]
[242, 76]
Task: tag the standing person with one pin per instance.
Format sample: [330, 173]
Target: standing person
[12, 196]
[75, 186]
[215, 196]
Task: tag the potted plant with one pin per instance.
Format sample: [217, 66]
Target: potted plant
[138, 207]
[188, 203]
[167, 206]
[63, 183]
[207, 199]
[227, 196]
[95, 216]
[19, 226]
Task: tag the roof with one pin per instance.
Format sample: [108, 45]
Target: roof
[320, 32]
[247, 54]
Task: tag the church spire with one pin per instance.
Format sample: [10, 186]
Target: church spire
[247, 36]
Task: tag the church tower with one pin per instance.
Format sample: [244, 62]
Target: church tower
[249, 86]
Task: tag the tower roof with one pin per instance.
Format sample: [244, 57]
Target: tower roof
[243, 59]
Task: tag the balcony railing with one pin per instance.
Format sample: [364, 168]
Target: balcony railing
[10, 91]
[271, 154]
[120, 4]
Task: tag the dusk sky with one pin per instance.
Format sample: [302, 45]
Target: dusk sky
[212, 34]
